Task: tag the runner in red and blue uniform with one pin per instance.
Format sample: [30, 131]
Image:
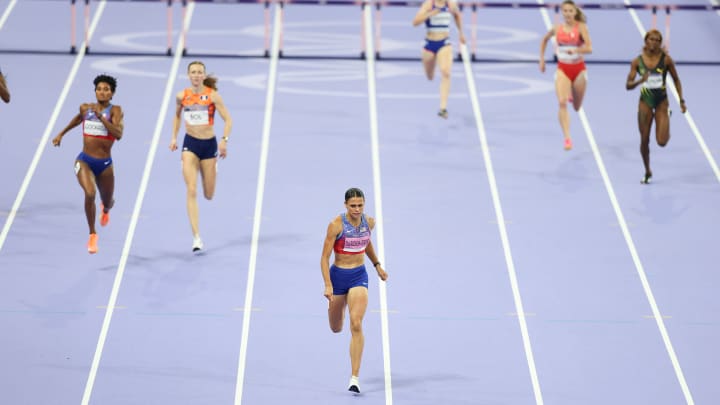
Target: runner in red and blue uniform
[346, 281]
[102, 124]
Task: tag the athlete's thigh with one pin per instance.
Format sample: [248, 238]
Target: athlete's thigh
[357, 300]
[445, 57]
[562, 85]
[662, 122]
[645, 117]
[190, 167]
[85, 176]
[208, 171]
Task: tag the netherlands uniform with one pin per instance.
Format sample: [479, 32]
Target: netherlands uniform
[570, 61]
[93, 127]
[351, 241]
[198, 109]
[440, 22]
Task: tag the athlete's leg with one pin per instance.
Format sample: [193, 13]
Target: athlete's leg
[428, 61]
[208, 173]
[645, 117]
[562, 89]
[444, 61]
[357, 300]
[336, 312]
[86, 178]
[578, 90]
[662, 123]
[190, 167]
[106, 185]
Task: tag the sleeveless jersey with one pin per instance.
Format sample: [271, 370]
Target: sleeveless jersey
[653, 89]
[440, 22]
[198, 109]
[353, 240]
[92, 126]
[566, 42]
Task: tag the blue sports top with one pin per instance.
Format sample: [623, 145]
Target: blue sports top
[92, 126]
[352, 240]
[440, 22]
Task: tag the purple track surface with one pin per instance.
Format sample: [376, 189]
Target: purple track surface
[455, 337]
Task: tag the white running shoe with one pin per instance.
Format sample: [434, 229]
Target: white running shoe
[197, 244]
[354, 385]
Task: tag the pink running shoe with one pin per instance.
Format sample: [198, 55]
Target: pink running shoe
[568, 144]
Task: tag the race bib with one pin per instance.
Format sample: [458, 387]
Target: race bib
[197, 117]
[94, 128]
[564, 53]
[654, 82]
[356, 244]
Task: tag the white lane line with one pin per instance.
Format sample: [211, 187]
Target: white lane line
[636, 258]
[112, 301]
[500, 217]
[50, 125]
[643, 278]
[6, 13]
[377, 190]
[673, 90]
[259, 194]
[628, 237]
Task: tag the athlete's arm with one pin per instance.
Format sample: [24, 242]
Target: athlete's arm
[75, 121]
[222, 110]
[670, 63]
[587, 42]
[543, 46]
[115, 124]
[458, 20]
[630, 82]
[370, 253]
[333, 229]
[424, 13]
[176, 121]
[4, 91]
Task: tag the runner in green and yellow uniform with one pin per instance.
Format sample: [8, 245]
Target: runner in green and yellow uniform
[653, 65]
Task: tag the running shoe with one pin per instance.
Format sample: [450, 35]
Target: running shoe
[646, 179]
[105, 216]
[197, 244]
[354, 385]
[568, 144]
[443, 113]
[92, 243]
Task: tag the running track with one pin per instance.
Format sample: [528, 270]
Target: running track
[516, 270]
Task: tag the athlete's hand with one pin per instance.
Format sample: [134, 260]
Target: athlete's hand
[462, 39]
[173, 145]
[57, 139]
[381, 273]
[97, 109]
[222, 149]
[542, 65]
[683, 108]
[328, 293]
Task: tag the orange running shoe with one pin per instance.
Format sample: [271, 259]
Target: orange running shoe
[568, 144]
[92, 243]
[105, 216]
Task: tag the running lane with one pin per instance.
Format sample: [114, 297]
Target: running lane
[176, 333]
